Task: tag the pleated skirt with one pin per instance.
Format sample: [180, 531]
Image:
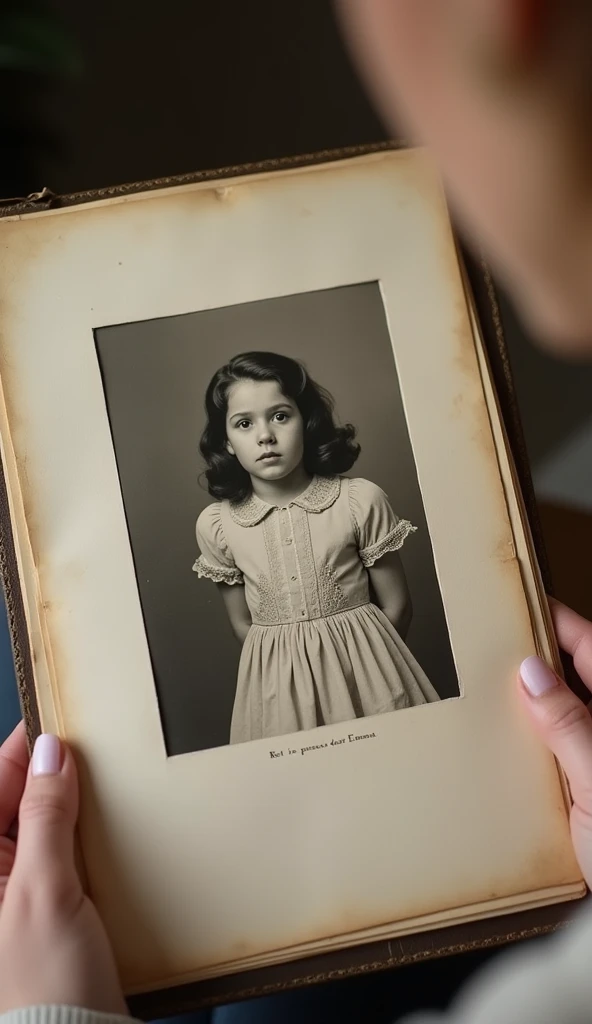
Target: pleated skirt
[300, 675]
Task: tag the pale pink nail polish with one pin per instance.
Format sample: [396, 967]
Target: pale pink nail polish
[537, 677]
[47, 755]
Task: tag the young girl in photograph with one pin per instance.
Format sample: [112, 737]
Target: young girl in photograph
[306, 559]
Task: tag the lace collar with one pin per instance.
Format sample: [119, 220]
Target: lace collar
[320, 494]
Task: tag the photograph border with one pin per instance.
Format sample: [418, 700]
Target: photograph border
[437, 665]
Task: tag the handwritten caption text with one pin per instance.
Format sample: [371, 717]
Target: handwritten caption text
[309, 748]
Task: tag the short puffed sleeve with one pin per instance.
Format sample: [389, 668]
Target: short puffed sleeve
[378, 529]
[215, 561]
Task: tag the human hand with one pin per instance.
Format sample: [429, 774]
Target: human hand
[53, 947]
[565, 723]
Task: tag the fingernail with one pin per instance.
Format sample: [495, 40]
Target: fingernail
[46, 755]
[537, 677]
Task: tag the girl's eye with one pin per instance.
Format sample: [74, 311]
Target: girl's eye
[243, 424]
[281, 417]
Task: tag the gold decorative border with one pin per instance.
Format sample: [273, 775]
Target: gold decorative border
[221, 991]
[48, 200]
[17, 622]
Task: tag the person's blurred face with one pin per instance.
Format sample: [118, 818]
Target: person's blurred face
[493, 88]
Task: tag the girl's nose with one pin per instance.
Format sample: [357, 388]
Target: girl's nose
[266, 435]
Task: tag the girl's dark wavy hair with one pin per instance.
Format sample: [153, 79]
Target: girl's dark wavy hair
[328, 449]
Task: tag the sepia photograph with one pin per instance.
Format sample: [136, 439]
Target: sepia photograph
[265, 447]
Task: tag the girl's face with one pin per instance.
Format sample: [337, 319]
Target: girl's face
[264, 429]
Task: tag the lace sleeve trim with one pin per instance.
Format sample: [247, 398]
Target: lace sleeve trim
[392, 542]
[218, 573]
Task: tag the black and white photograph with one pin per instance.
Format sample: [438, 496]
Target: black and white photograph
[282, 555]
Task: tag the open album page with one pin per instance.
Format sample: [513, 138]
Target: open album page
[276, 573]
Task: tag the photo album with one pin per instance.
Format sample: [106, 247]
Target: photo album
[271, 566]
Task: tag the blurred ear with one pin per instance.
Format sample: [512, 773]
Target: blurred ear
[230, 449]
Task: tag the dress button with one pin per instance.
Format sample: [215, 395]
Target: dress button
[289, 540]
[303, 612]
[293, 577]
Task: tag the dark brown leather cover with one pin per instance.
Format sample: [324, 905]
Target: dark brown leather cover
[378, 956]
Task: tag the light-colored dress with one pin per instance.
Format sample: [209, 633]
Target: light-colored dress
[318, 652]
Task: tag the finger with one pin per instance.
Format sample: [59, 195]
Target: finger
[14, 758]
[574, 634]
[47, 818]
[564, 723]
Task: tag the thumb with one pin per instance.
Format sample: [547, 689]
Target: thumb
[47, 817]
[565, 725]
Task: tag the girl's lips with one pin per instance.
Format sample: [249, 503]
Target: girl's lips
[269, 455]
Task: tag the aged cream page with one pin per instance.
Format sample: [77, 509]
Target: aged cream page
[225, 856]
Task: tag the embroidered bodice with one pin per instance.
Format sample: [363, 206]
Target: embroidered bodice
[306, 560]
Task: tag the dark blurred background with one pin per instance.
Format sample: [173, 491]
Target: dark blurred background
[97, 95]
